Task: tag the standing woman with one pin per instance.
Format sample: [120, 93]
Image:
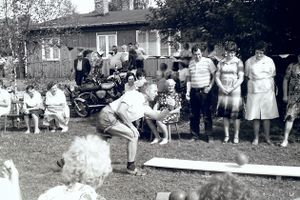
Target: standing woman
[261, 101]
[291, 95]
[229, 77]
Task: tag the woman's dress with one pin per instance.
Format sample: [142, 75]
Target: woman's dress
[163, 101]
[230, 105]
[57, 109]
[261, 100]
[293, 104]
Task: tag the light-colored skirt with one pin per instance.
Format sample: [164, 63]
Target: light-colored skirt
[261, 106]
[61, 117]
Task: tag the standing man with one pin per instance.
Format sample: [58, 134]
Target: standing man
[200, 79]
[116, 119]
[132, 55]
[82, 68]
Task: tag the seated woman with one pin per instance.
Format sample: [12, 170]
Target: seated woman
[141, 78]
[57, 109]
[168, 100]
[130, 84]
[5, 100]
[87, 163]
[32, 107]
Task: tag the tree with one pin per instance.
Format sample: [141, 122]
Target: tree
[244, 21]
[18, 17]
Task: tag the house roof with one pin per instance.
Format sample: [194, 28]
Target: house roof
[93, 19]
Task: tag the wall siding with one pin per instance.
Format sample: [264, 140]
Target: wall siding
[85, 39]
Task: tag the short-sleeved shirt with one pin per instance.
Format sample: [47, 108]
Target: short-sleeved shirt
[77, 192]
[229, 71]
[33, 101]
[116, 60]
[200, 72]
[129, 88]
[183, 73]
[260, 74]
[136, 104]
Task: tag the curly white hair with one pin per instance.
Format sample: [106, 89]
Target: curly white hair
[87, 161]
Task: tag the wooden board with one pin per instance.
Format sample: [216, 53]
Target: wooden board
[162, 196]
[271, 170]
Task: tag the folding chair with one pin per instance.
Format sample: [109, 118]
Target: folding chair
[14, 114]
[170, 130]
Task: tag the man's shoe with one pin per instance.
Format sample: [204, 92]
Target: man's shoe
[60, 163]
[208, 139]
[136, 172]
[195, 138]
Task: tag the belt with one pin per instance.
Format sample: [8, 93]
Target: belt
[198, 89]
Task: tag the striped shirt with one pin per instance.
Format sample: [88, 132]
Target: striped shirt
[201, 72]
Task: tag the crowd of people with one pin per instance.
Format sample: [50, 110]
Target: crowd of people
[53, 108]
[198, 78]
[192, 78]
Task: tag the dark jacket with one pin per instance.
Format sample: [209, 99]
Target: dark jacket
[86, 66]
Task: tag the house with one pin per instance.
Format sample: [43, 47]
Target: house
[54, 45]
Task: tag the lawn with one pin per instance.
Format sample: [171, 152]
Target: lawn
[35, 156]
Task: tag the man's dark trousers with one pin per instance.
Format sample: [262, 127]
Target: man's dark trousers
[200, 104]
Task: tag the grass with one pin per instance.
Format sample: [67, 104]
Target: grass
[35, 156]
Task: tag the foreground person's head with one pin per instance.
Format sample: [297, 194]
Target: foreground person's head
[87, 161]
[149, 90]
[226, 187]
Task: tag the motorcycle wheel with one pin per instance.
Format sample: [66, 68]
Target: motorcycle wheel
[90, 99]
[82, 109]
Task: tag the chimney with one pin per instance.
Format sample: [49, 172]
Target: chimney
[127, 4]
[101, 6]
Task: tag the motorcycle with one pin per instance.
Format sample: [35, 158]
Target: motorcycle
[95, 94]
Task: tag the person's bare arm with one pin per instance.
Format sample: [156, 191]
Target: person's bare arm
[155, 114]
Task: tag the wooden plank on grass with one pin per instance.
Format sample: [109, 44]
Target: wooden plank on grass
[271, 170]
[162, 196]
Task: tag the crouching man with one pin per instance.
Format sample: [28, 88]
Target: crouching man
[116, 119]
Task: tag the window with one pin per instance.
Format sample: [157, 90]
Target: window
[153, 45]
[149, 41]
[105, 41]
[50, 49]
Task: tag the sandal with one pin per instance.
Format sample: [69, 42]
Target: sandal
[255, 142]
[236, 140]
[226, 139]
[136, 172]
[284, 143]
